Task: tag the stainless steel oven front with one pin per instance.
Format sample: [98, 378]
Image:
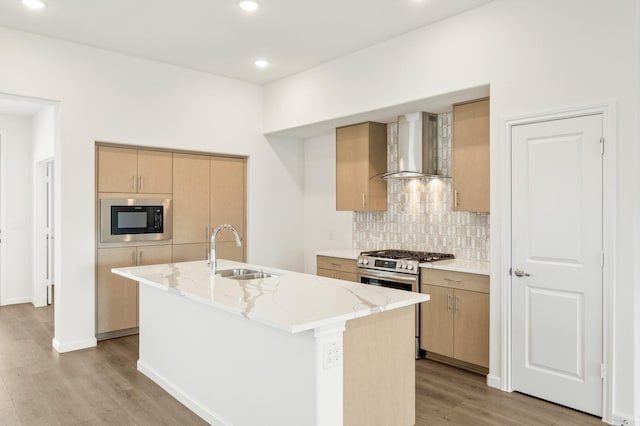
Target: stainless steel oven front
[135, 219]
[400, 281]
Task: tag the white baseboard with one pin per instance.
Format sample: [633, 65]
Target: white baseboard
[623, 419]
[62, 347]
[494, 381]
[17, 300]
[208, 415]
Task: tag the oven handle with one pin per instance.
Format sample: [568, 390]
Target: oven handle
[401, 278]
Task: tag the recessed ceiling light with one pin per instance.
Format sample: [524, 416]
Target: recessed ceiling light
[249, 5]
[261, 63]
[34, 4]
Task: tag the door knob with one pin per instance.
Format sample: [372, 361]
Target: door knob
[520, 273]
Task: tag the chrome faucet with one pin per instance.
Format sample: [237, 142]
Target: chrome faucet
[213, 265]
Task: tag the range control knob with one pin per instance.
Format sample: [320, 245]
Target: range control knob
[410, 267]
[365, 261]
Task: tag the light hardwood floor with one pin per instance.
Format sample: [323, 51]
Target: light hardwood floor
[102, 386]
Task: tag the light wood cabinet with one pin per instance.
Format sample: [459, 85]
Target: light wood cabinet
[117, 297]
[190, 252]
[208, 191]
[437, 320]
[228, 205]
[337, 267]
[361, 159]
[455, 322]
[129, 170]
[471, 327]
[471, 156]
[191, 198]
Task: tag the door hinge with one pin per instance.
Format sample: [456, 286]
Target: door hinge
[602, 371]
[602, 146]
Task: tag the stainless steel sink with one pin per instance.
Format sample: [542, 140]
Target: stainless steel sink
[254, 276]
[230, 273]
[244, 274]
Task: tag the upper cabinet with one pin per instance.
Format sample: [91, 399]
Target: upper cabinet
[471, 156]
[208, 191]
[133, 170]
[228, 204]
[191, 198]
[361, 159]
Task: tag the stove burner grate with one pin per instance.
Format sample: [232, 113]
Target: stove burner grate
[420, 256]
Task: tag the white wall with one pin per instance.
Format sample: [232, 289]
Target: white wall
[17, 238]
[325, 228]
[43, 130]
[105, 96]
[537, 57]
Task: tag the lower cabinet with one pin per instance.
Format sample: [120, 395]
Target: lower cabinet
[455, 322]
[337, 267]
[117, 297]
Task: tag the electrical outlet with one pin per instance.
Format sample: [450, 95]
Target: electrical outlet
[332, 354]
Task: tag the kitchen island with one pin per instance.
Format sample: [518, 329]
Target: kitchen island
[286, 349]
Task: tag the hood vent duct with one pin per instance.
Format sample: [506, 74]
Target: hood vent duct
[417, 147]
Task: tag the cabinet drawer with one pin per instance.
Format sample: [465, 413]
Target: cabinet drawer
[329, 273]
[459, 280]
[337, 264]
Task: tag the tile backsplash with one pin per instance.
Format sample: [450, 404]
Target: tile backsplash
[419, 215]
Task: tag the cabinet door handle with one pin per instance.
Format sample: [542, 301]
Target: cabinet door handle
[448, 303]
[206, 233]
[140, 257]
[457, 304]
[140, 183]
[133, 183]
[455, 199]
[364, 200]
[133, 257]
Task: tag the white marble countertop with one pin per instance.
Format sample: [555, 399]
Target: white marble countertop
[460, 265]
[341, 253]
[292, 301]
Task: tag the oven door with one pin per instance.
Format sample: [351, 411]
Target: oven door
[406, 282]
[398, 281]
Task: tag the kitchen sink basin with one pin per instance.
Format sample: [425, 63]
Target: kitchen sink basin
[254, 276]
[244, 274]
[231, 273]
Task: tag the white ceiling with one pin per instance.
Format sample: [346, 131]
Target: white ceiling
[216, 36]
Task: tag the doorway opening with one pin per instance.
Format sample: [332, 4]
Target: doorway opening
[27, 136]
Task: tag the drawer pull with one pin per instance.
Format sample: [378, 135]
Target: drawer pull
[335, 264]
[452, 280]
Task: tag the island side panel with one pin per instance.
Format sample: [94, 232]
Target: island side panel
[225, 368]
[379, 369]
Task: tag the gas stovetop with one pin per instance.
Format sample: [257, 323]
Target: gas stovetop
[420, 256]
[404, 261]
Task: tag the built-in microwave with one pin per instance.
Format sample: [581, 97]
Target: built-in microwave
[135, 219]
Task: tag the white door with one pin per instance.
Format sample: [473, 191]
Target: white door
[557, 260]
[49, 230]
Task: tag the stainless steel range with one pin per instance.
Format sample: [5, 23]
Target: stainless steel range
[397, 269]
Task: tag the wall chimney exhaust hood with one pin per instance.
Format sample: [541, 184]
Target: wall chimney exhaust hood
[417, 147]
